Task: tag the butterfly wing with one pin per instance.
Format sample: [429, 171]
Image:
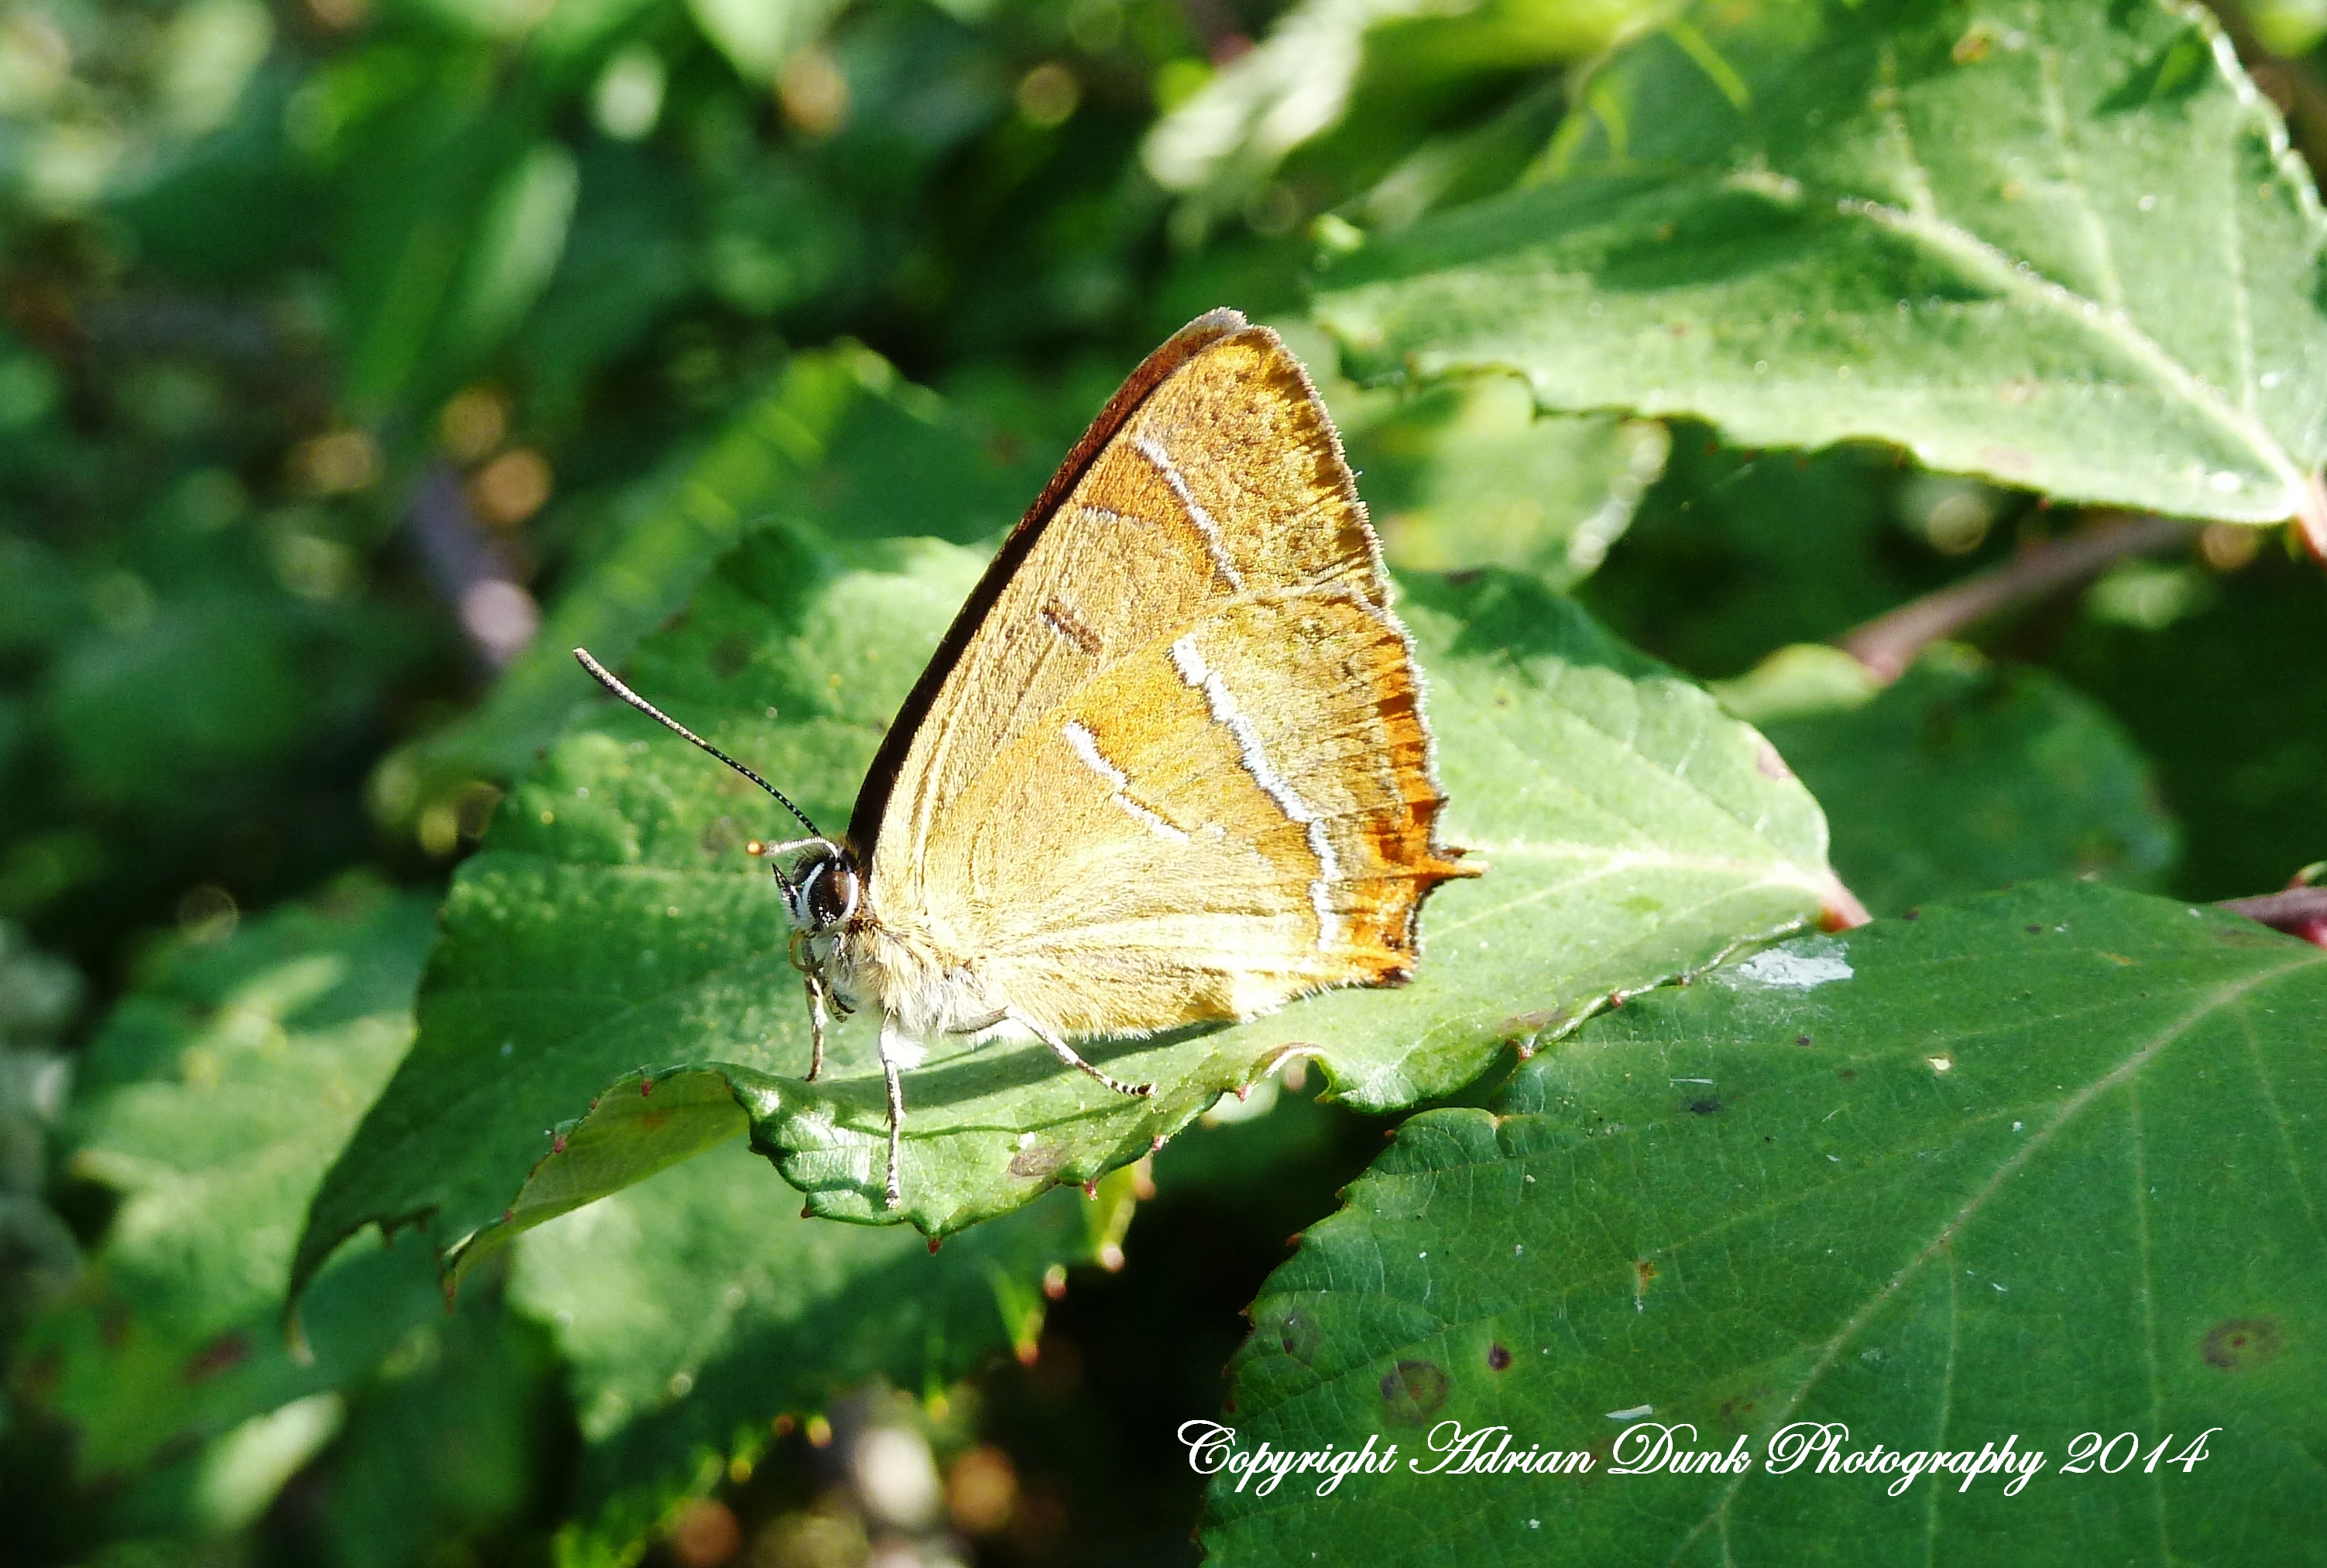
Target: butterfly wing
[1173, 766]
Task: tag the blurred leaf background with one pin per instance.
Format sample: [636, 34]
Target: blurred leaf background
[357, 357]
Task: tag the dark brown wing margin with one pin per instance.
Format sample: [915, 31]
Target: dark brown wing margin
[881, 779]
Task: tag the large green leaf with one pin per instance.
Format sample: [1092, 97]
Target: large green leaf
[612, 929]
[699, 1304]
[2032, 1165]
[2063, 245]
[211, 1103]
[1961, 777]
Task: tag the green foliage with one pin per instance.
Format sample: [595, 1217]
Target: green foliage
[1868, 1178]
[698, 1305]
[1909, 222]
[359, 360]
[209, 1106]
[2216, 699]
[1959, 778]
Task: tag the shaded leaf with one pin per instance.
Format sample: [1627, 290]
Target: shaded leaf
[2218, 699]
[1912, 222]
[697, 1306]
[1963, 776]
[211, 1103]
[1939, 1181]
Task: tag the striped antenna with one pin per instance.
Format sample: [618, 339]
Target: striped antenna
[608, 679]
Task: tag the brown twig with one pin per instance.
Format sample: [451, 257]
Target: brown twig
[2298, 911]
[1889, 643]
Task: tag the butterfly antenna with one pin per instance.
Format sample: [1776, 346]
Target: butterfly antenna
[608, 679]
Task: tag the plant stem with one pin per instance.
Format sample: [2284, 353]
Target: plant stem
[1889, 643]
[2298, 911]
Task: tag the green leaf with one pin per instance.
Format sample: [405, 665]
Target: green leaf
[1963, 776]
[1979, 238]
[611, 929]
[1940, 1182]
[211, 1103]
[1389, 60]
[441, 1443]
[697, 1306]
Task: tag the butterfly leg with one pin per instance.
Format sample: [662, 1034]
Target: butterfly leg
[1066, 1053]
[897, 1053]
[815, 1024]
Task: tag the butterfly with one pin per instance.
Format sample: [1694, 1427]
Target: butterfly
[1169, 764]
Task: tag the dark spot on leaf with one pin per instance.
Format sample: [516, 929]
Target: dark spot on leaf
[646, 1087]
[1497, 1358]
[1914, 914]
[37, 1375]
[1802, 1040]
[1298, 1333]
[933, 1245]
[1413, 1391]
[653, 1120]
[2238, 1342]
[220, 1356]
[1643, 1271]
[2035, 931]
[1703, 1107]
[729, 655]
[1848, 1072]
[1036, 1163]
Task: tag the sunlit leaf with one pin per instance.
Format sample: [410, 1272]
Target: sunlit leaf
[1966, 234]
[1884, 1180]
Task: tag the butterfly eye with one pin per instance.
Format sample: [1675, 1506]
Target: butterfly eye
[827, 891]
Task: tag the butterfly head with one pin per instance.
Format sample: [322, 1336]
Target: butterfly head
[823, 891]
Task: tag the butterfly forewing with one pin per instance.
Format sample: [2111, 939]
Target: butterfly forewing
[1177, 770]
